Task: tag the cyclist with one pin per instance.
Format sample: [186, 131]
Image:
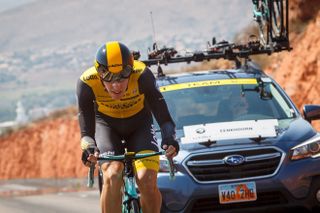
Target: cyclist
[116, 100]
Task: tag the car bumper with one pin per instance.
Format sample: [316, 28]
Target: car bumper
[295, 185]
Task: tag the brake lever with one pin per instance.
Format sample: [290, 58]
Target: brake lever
[171, 169]
[91, 175]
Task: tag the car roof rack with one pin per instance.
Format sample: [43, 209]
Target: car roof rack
[220, 50]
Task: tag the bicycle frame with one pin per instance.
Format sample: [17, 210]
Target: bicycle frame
[257, 13]
[272, 18]
[130, 192]
[261, 14]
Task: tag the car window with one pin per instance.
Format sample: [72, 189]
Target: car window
[225, 103]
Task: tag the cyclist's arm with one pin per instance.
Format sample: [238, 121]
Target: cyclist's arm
[85, 99]
[157, 103]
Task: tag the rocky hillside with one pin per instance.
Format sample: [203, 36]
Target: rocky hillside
[50, 148]
[44, 149]
[298, 71]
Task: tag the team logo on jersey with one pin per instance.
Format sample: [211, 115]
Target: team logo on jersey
[90, 77]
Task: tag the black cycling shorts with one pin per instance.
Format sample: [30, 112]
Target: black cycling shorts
[138, 134]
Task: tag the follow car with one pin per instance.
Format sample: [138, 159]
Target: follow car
[244, 144]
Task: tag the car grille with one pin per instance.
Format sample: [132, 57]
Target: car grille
[211, 167]
[263, 199]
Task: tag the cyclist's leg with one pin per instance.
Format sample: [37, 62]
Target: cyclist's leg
[109, 143]
[144, 140]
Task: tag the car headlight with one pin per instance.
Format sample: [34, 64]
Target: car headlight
[164, 165]
[307, 149]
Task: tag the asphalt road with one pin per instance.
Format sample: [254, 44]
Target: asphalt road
[52, 196]
[48, 195]
[69, 202]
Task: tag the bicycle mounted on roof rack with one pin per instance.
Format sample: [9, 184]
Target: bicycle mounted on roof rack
[272, 18]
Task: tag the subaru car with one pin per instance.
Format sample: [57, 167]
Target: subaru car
[244, 145]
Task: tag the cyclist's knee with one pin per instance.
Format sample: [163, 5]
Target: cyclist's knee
[147, 180]
[112, 172]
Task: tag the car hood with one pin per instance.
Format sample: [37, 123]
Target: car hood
[289, 133]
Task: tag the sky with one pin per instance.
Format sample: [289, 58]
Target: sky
[9, 4]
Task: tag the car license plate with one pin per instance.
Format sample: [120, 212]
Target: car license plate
[237, 192]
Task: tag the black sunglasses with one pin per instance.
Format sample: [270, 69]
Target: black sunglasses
[108, 76]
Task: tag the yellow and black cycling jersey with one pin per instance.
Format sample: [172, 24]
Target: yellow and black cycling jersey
[141, 97]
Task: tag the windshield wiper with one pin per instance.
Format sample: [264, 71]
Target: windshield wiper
[208, 143]
[257, 139]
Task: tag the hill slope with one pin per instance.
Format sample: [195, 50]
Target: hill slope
[45, 149]
[298, 72]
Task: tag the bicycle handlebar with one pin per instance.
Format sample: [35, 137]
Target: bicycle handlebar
[140, 156]
[129, 155]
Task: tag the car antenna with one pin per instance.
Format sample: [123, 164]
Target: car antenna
[155, 49]
[153, 29]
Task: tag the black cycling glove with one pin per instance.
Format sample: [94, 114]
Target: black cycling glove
[171, 142]
[168, 135]
[88, 147]
[85, 155]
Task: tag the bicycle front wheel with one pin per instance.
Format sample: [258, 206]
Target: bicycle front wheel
[134, 206]
[100, 180]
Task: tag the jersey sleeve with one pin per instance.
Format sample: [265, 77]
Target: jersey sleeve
[156, 102]
[86, 116]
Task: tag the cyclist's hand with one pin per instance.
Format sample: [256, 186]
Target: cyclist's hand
[90, 152]
[171, 147]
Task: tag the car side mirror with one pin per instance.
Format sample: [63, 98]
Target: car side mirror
[311, 112]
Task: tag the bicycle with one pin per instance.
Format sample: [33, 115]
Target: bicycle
[272, 19]
[130, 199]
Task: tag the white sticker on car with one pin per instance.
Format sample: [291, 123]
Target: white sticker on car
[229, 130]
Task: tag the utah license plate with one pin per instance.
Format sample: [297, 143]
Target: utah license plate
[237, 192]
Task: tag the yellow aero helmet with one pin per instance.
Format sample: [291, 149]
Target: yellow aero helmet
[114, 61]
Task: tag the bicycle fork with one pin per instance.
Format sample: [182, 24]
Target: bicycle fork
[130, 192]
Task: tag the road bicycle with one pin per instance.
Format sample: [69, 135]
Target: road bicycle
[272, 19]
[130, 199]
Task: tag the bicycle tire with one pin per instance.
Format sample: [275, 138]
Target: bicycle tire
[264, 21]
[100, 180]
[134, 206]
[277, 27]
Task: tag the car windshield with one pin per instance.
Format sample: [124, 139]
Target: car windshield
[225, 102]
